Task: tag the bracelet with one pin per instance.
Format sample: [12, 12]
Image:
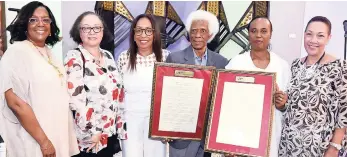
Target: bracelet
[336, 146]
[49, 145]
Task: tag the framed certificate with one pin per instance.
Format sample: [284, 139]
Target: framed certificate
[180, 98]
[241, 113]
[3, 44]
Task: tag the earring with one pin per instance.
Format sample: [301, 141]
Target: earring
[249, 47]
[50, 34]
[269, 47]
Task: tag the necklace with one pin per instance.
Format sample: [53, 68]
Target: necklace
[97, 60]
[56, 68]
[307, 73]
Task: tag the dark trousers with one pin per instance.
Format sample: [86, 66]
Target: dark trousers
[112, 148]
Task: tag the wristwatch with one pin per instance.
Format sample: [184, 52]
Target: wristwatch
[337, 146]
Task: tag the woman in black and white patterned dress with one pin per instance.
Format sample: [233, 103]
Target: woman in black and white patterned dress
[316, 116]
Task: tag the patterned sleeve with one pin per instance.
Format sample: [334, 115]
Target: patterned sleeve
[342, 89]
[286, 76]
[165, 54]
[292, 74]
[85, 116]
[120, 120]
[121, 61]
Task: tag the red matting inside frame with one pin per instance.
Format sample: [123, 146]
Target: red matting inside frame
[162, 71]
[266, 80]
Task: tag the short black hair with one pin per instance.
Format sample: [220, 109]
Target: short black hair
[75, 30]
[19, 28]
[320, 19]
[259, 17]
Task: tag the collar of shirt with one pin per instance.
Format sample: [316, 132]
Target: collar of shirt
[200, 60]
[88, 55]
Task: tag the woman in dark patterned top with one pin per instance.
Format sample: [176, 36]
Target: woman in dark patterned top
[316, 111]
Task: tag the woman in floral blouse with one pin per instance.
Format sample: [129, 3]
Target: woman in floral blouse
[95, 87]
[315, 118]
[136, 68]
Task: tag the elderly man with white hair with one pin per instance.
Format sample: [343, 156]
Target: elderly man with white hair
[203, 27]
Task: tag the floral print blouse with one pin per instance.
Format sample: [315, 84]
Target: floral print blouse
[96, 95]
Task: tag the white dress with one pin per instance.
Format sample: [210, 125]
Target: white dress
[36, 82]
[137, 104]
[281, 68]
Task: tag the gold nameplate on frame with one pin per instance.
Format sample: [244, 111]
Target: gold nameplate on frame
[245, 79]
[184, 73]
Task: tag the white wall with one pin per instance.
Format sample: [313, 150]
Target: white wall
[287, 19]
[55, 7]
[335, 12]
[71, 10]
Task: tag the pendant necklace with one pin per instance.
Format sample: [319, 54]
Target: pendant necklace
[56, 68]
[307, 73]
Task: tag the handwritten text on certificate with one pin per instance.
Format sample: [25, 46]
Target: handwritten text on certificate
[180, 103]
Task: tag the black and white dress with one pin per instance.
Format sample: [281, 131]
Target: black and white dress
[316, 106]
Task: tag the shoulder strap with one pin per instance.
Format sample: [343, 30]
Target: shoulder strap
[83, 68]
[83, 60]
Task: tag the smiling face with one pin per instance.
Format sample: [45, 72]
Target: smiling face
[91, 31]
[316, 37]
[39, 27]
[143, 34]
[260, 34]
[199, 34]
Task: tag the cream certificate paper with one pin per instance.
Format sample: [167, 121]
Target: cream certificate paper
[180, 103]
[241, 114]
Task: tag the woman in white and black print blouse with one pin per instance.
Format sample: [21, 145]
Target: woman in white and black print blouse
[96, 89]
[315, 120]
[136, 68]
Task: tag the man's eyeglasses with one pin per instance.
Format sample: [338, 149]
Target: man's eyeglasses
[148, 31]
[88, 29]
[35, 21]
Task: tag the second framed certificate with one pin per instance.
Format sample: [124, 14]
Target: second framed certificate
[241, 113]
[180, 98]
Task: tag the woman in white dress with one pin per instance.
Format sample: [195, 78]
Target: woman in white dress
[136, 68]
[259, 58]
[35, 118]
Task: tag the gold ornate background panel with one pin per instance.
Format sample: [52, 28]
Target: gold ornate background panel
[118, 20]
[233, 16]
[238, 36]
[108, 5]
[213, 7]
[171, 25]
[171, 14]
[122, 10]
[261, 8]
[159, 8]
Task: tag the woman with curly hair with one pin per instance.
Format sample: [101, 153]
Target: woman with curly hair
[35, 118]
